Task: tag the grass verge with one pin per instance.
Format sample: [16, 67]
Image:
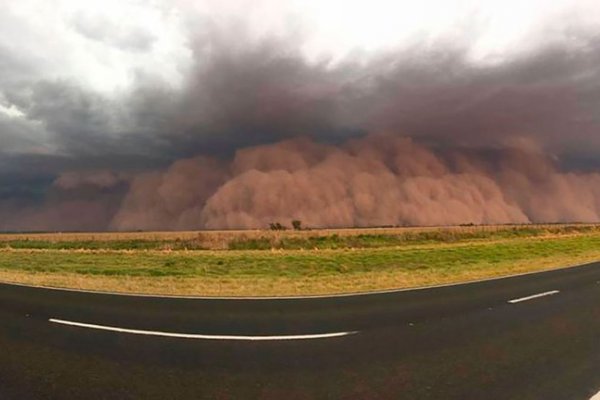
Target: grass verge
[296, 271]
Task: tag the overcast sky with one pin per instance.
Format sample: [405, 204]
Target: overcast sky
[132, 86]
[107, 49]
[103, 45]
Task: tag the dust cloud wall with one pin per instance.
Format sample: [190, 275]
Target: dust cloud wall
[237, 130]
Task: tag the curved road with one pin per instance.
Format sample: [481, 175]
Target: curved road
[534, 336]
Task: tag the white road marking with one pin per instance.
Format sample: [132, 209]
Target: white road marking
[200, 336]
[535, 296]
[596, 396]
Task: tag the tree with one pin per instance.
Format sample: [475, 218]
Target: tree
[297, 225]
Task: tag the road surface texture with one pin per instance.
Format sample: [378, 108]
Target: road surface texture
[534, 336]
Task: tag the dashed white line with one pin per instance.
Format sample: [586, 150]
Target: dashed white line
[201, 336]
[535, 296]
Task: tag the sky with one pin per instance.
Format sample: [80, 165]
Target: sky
[173, 114]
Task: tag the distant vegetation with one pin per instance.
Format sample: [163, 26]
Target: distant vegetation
[279, 238]
[276, 226]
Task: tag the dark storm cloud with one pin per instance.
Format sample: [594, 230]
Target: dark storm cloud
[242, 93]
[550, 95]
[18, 135]
[80, 122]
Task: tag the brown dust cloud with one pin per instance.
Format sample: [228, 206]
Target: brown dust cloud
[257, 133]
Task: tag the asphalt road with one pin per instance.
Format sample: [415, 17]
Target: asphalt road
[529, 337]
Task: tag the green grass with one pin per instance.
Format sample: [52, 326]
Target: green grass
[306, 264]
[295, 264]
[362, 241]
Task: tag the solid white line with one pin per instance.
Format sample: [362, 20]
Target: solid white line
[535, 296]
[199, 336]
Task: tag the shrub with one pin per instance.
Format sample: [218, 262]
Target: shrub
[276, 226]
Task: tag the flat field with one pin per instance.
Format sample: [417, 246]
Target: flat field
[267, 263]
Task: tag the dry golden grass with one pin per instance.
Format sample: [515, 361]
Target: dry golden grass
[374, 281]
[220, 240]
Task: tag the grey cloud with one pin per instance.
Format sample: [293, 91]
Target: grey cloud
[241, 93]
[19, 136]
[108, 32]
[80, 121]
[252, 94]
